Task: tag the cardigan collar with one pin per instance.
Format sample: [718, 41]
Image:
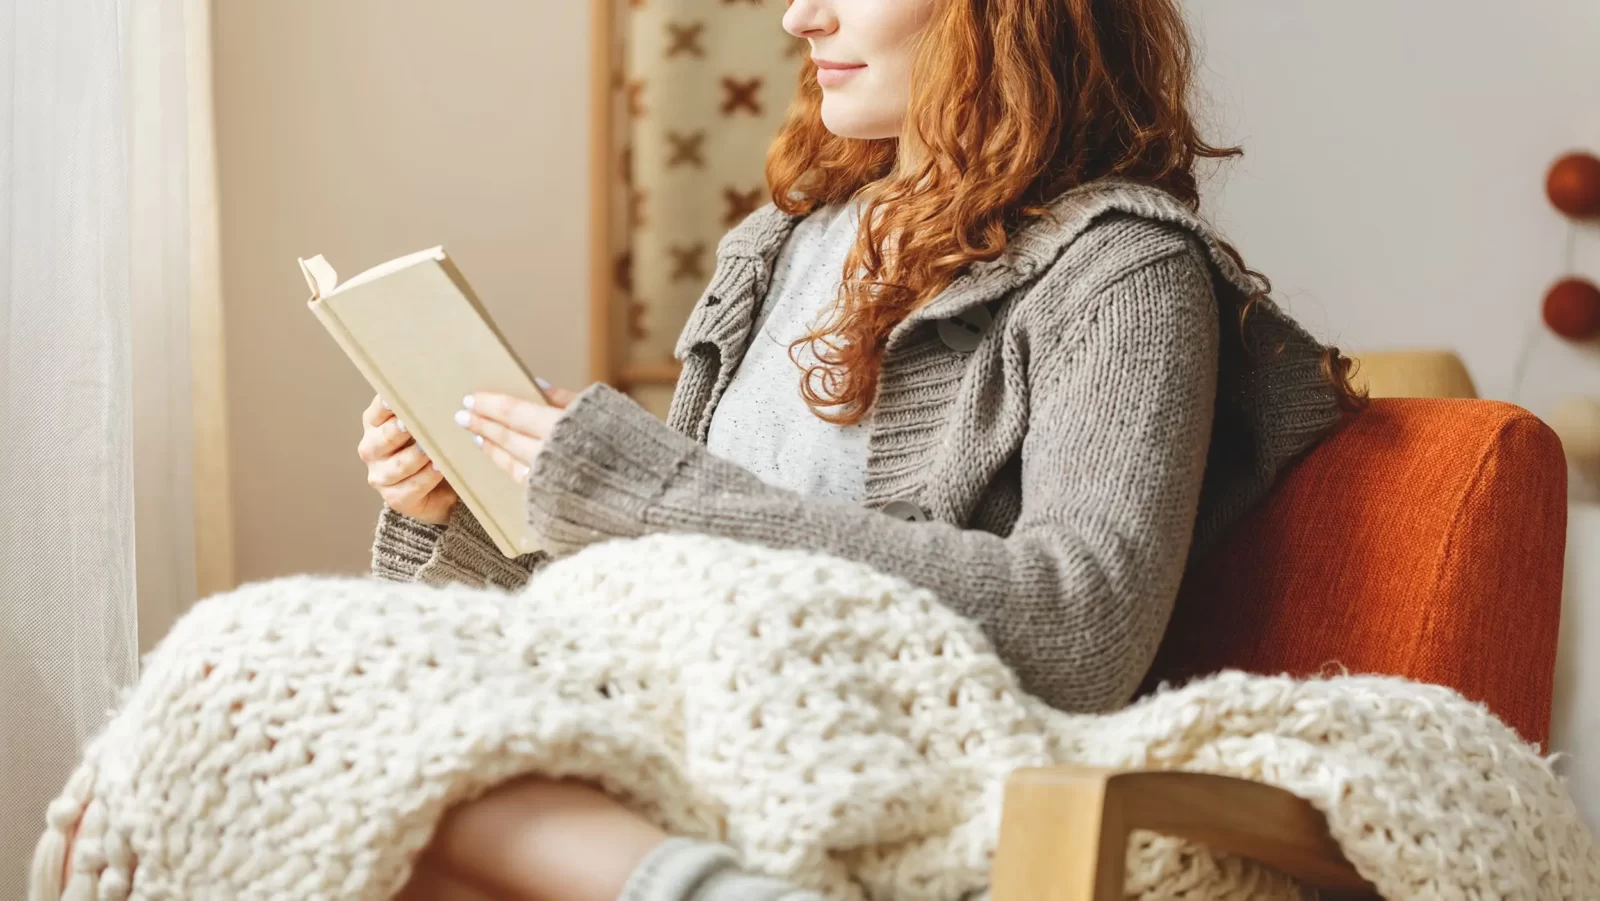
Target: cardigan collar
[1282, 352]
[759, 238]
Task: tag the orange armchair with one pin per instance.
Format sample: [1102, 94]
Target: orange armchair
[1424, 540]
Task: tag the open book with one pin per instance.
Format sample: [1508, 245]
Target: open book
[419, 335]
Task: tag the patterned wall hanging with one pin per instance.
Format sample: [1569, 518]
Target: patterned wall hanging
[696, 90]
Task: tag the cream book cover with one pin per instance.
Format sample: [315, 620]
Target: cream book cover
[419, 335]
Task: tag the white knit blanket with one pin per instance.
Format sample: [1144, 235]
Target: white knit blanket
[300, 738]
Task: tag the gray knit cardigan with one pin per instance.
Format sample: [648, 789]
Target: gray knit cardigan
[1055, 436]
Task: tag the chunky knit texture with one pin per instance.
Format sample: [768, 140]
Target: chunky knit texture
[838, 727]
[1107, 415]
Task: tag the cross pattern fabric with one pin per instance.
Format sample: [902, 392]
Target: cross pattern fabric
[702, 88]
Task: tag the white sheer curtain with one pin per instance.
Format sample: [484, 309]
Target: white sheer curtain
[94, 400]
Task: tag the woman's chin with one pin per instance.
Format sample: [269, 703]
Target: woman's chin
[844, 119]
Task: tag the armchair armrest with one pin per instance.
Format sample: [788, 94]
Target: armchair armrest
[1064, 835]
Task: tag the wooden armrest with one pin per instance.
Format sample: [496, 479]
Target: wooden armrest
[1064, 835]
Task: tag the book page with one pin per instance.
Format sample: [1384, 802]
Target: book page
[394, 265]
[320, 277]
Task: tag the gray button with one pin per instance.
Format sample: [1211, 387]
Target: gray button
[905, 510]
[963, 332]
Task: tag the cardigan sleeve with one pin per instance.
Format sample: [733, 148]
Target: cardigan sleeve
[1076, 598]
[405, 549]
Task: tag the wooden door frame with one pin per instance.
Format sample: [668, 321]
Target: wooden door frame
[607, 360]
[602, 342]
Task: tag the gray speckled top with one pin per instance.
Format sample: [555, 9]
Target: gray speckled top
[762, 423]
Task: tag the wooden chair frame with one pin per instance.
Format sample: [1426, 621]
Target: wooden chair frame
[1064, 836]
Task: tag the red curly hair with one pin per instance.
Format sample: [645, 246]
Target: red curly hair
[1012, 103]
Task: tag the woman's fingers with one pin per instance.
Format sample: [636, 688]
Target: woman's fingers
[558, 396]
[426, 496]
[512, 464]
[376, 412]
[510, 430]
[412, 488]
[519, 444]
[529, 418]
[382, 441]
[398, 467]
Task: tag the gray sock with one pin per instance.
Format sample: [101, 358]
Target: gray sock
[687, 870]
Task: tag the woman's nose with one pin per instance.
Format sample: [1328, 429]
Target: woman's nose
[810, 18]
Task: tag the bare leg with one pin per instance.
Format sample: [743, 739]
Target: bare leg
[432, 883]
[538, 840]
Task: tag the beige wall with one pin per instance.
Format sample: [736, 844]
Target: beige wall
[365, 129]
[1392, 186]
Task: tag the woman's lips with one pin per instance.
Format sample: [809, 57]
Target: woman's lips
[832, 74]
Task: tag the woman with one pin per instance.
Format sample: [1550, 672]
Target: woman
[1066, 401]
[1046, 384]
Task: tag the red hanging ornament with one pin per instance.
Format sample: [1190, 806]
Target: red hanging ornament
[1574, 185]
[1572, 309]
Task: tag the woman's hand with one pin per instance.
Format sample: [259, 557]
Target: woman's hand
[510, 430]
[403, 475]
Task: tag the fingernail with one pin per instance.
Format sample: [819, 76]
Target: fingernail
[543, 385]
[399, 425]
[385, 405]
[435, 467]
[462, 418]
[478, 440]
[467, 402]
